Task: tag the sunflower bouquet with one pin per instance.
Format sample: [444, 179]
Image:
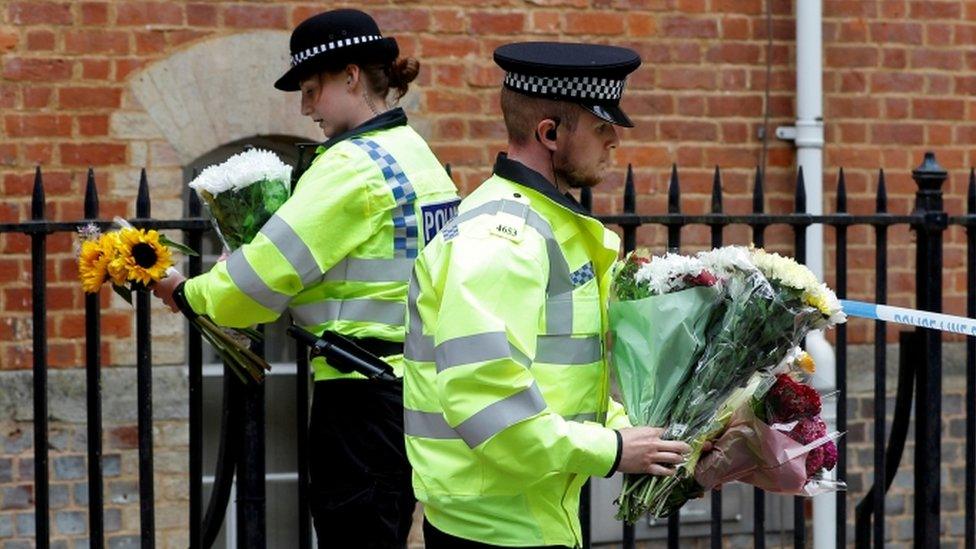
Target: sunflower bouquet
[691, 331]
[129, 258]
[243, 193]
[132, 259]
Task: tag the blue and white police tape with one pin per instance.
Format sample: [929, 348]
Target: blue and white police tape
[913, 317]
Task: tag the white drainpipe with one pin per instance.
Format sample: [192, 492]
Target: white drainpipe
[808, 134]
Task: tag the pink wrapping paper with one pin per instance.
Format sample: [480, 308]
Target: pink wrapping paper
[751, 451]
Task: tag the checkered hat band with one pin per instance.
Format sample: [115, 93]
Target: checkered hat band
[586, 87]
[334, 45]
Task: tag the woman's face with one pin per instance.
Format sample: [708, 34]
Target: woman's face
[330, 100]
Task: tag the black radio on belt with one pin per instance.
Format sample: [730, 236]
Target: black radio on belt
[343, 354]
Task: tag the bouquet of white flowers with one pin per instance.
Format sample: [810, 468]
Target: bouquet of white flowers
[243, 193]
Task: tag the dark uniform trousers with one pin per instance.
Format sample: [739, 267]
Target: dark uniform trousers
[437, 539]
[361, 493]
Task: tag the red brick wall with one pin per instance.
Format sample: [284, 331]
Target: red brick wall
[899, 76]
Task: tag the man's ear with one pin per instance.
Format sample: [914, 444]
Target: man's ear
[546, 132]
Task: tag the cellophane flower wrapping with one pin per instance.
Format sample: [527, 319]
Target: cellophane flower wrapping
[678, 359]
[243, 193]
[777, 441]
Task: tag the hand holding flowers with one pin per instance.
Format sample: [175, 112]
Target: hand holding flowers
[132, 259]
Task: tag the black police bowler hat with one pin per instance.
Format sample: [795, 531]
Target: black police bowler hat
[332, 39]
[591, 75]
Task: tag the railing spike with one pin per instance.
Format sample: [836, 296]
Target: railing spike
[630, 195]
[37, 197]
[971, 193]
[800, 200]
[91, 196]
[757, 192]
[882, 198]
[142, 199]
[717, 191]
[841, 192]
[674, 191]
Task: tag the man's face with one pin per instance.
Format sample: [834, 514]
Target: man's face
[584, 153]
[326, 100]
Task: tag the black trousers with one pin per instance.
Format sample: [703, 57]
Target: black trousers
[361, 495]
[437, 539]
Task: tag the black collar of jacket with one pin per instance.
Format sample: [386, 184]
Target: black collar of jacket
[383, 121]
[514, 170]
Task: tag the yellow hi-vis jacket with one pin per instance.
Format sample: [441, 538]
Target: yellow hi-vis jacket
[506, 390]
[338, 254]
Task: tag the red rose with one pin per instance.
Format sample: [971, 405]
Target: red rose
[703, 278]
[789, 400]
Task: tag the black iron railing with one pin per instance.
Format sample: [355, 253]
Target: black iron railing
[242, 452]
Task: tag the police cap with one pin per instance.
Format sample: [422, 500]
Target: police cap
[332, 39]
[590, 75]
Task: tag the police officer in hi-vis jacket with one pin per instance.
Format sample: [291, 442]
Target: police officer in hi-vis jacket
[506, 386]
[337, 256]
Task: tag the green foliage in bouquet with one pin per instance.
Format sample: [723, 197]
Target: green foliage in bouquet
[767, 306]
[239, 214]
[243, 193]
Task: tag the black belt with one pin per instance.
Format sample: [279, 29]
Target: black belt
[378, 347]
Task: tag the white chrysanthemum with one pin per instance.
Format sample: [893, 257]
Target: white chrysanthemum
[241, 170]
[665, 273]
[825, 300]
[727, 259]
[785, 270]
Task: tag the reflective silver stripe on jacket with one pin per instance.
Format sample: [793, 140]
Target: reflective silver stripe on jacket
[433, 425]
[477, 348]
[427, 425]
[417, 347]
[499, 415]
[247, 280]
[564, 349]
[358, 269]
[358, 310]
[281, 234]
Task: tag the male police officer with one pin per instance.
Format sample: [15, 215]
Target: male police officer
[507, 411]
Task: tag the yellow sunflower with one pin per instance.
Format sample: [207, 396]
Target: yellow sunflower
[117, 272]
[93, 260]
[144, 258]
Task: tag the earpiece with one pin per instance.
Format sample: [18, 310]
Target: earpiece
[551, 132]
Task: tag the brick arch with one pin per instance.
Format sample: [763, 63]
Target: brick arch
[219, 91]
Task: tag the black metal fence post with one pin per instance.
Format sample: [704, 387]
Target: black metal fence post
[758, 238]
[93, 375]
[147, 527]
[716, 233]
[42, 523]
[301, 419]
[194, 239]
[880, 363]
[970, 457]
[674, 245]
[800, 253]
[251, 524]
[928, 410]
[840, 287]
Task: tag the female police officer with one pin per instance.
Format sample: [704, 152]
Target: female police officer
[338, 255]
